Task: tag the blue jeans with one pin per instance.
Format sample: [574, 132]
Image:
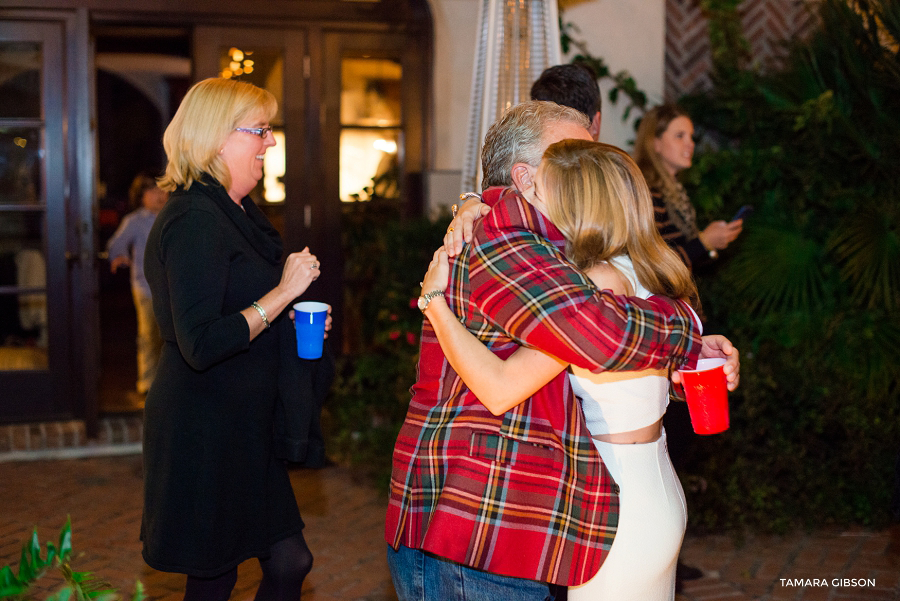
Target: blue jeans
[421, 577]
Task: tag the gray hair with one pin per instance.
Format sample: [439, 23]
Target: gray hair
[517, 137]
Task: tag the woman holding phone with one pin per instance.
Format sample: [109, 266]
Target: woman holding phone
[665, 147]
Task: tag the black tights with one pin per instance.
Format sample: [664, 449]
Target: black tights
[210, 589]
[283, 572]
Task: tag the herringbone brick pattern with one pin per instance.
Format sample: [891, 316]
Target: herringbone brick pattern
[344, 528]
[687, 61]
[767, 24]
[802, 566]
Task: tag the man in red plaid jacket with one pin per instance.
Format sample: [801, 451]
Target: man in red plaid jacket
[486, 507]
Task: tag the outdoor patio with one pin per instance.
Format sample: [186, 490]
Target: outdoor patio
[344, 520]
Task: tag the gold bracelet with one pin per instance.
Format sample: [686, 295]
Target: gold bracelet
[262, 313]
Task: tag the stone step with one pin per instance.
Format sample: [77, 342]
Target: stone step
[118, 435]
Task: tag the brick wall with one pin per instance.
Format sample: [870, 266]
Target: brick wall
[767, 24]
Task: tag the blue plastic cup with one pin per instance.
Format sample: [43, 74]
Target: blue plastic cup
[309, 322]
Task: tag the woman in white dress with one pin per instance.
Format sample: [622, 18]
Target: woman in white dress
[595, 194]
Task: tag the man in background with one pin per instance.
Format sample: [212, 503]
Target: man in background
[575, 86]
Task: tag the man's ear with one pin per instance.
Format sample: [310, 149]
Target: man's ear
[594, 127]
[521, 176]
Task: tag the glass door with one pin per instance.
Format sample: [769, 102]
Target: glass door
[273, 60]
[34, 304]
[353, 109]
[375, 129]
[291, 192]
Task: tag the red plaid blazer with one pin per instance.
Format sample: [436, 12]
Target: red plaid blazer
[524, 494]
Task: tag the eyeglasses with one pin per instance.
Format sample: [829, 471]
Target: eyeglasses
[256, 131]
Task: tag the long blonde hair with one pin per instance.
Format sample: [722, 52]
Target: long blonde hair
[596, 196]
[654, 124]
[208, 114]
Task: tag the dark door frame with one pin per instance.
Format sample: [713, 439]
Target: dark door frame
[68, 177]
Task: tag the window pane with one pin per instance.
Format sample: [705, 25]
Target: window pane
[23, 268]
[263, 67]
[23, 300]
[20, 166]
[369, 160]
[370, 92]
[23, 331]
[274, 170]
[20, 80]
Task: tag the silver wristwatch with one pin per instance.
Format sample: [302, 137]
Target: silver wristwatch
[427, 298]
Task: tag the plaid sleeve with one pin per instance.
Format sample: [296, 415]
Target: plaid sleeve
[526, 288]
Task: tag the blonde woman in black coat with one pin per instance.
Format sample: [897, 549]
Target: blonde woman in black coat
[215, 494]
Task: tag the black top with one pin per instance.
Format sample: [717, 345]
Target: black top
[214, 493]
[692, 251]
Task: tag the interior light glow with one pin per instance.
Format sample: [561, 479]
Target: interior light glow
[274, 170]
[387, 146]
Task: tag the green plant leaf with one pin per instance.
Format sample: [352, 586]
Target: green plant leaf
[779, 270]
[11, 592]
[51, 553]
[7, 578]
[27, 572]
[64, 594]
[35, 551]
[139, 594]
[867, 245]
[65, 540]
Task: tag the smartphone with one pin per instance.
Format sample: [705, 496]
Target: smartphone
[743, 212]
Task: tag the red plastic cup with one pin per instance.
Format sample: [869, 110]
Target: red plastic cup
[706, 391]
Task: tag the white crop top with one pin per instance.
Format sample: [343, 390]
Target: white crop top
[624, 400]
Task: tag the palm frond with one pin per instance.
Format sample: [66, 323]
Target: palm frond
[867, 247]
[778, 270]
[866, 342]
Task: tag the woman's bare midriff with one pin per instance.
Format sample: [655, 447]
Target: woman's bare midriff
[640, 436]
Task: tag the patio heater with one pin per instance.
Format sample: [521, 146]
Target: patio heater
[517, 40]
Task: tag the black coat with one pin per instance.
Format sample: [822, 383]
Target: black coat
[214, 493]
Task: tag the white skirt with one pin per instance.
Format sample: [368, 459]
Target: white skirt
[652, 518]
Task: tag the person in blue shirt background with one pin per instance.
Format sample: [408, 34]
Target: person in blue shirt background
[126, 249]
